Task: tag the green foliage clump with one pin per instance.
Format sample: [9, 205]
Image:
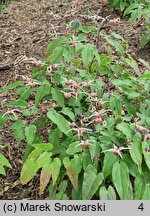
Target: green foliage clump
[90, 120]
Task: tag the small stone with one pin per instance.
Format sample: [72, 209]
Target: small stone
[4, 66]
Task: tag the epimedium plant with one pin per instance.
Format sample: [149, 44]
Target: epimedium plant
[85, 119]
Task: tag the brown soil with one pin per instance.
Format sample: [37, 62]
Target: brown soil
[26, 28]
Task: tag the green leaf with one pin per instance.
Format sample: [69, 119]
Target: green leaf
[52, 192]
[130, 108]
[139, 187]
[132, 63]
[120, 175]
[19, 133]
[60, 121]
[73, 168]
[91, 182]
[133, 169]
[4, 161]
[27, 151]
[2, 170]
[146, 195]
[130, 8]
[114, 43]
[67, 111]
[145, 147]
[26, 93]
[73, 148]
[103, 193]
[55, 43]
[111, 193]
[130, 192]
[94, 150]
[12, 86]
[3, 119]
[125, 129]
[116, 106]
[122, 5]
[135, 15]
[88, 29]
[21, 90]
[41, 93]
[43, 146]
[86, 160]
[136, 150]
[68, 53]
[30, 133]
[144, 76]
[54, 137]
[63, 186]
[43, 158]
[35, 153]
[42, 122]
[118, 36]
[109, 160]
[55, 169]
[18, 129]
[87, 54]
[18, 124]
[56, 56]
[77, 195]
[57, 96]
[75, 24]
[17, 103]
[29, 169]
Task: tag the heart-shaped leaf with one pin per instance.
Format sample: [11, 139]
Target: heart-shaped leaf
[139, 187]
[136, 150]
[125, 129]
[73, 168]
[109, 160]
[30, 133]
[91, 182]
[60, 121]
[87, 54]
[109, 194]
[4, 161]
[57, 96]
[29, 169]
[42, 92]
[120, 175]
[55, 169]
[45, 177]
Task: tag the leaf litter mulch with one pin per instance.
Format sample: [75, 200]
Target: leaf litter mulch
[26, 29]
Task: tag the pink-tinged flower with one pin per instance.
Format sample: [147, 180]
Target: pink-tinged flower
[33, 84]
[140, 128]
[85, 143]
[81, 132]
[67, 95]
[116, 150]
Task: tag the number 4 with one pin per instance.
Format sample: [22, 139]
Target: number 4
[141, 207]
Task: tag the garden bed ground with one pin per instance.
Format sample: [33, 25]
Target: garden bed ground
[26, 28]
